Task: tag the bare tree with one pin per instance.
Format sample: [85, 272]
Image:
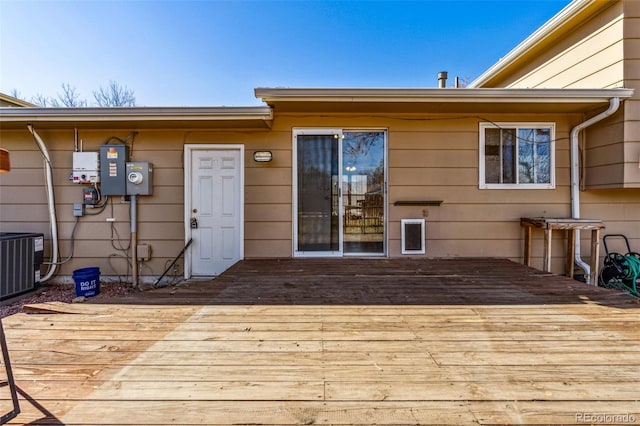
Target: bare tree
[40, 100]
[115, 95]
[69, 98]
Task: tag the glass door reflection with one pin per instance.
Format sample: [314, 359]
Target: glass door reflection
[363, 192]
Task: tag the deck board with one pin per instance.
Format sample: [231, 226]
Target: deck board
[358, 341]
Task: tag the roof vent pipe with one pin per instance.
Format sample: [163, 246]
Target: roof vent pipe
[614, 104]
[442, 79]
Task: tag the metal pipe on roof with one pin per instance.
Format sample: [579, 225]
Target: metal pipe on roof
[442, 79]
[614, 104]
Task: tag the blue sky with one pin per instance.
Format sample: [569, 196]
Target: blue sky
[213, 53]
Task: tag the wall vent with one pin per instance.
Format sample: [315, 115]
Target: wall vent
[413, 236]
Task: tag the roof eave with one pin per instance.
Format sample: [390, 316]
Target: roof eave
[107, 115]
[484, 95]
[15, 101]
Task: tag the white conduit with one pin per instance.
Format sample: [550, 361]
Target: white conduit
[614, 104]
[52, 207]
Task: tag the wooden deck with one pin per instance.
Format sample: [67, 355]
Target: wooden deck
[345, 341]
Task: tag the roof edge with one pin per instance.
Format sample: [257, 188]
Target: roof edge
[9, 114]
[498, 95]
[15, 101]
[570, 11]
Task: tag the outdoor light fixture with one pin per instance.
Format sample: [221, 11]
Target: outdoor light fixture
[5, 165]
[262, 156]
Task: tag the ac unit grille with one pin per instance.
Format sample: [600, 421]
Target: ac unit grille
[20, 258]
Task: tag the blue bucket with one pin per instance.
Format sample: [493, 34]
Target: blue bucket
[87, 281]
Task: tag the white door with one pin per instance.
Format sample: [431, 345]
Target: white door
[214, 210]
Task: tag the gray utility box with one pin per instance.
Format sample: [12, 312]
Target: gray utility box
[113, 159]
[20, 259]
[139, 178]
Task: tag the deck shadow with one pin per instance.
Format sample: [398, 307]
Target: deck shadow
[378, 281]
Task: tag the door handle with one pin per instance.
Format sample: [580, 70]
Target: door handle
[194, 223]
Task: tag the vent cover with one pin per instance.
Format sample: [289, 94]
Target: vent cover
[413, 236]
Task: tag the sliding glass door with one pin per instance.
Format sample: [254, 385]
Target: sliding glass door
[339, 195]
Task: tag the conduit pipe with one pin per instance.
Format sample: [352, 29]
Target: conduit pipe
[614, 104]
[134, 239]
[53, 221]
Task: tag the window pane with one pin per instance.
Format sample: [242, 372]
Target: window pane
[363, 191]
[526, 161]
[543, 155]
[492, 156]
[534, 155]
[317, 193]
[508, 155]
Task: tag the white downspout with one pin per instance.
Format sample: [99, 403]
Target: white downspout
[52, 207]
[614, 104]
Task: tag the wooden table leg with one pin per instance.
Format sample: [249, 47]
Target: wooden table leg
[595, 256]
[571, 251]
[546, 263]
[527, 246]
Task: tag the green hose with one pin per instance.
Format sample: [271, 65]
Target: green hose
[633, 263]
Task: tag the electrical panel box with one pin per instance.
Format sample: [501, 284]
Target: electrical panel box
[85, 167]
[89, 196]
[113, 159]
[139, 178]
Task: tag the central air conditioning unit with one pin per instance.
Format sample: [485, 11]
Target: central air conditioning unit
[20, 259]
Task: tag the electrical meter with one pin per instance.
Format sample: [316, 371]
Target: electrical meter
[139, 178]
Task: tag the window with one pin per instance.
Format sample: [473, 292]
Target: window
[517, 155]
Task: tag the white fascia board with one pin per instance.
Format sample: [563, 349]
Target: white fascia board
[557, 21]
[135, 114]
[464, 95]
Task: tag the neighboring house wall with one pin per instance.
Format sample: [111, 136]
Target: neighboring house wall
[10, 101]
[435, 158]
[602, 51]
[588, 56]
[632, 106]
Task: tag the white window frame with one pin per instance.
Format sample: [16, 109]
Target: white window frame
[518, 125]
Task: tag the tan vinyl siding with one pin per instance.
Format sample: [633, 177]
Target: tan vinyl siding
[591, 55]
[437, 159]
[632, 107]
[429, 158]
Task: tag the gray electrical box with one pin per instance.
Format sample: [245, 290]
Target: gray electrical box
[113, 159]
[139, 178]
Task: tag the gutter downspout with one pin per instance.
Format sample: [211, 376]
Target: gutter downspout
[614, 104]
[51, 203]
